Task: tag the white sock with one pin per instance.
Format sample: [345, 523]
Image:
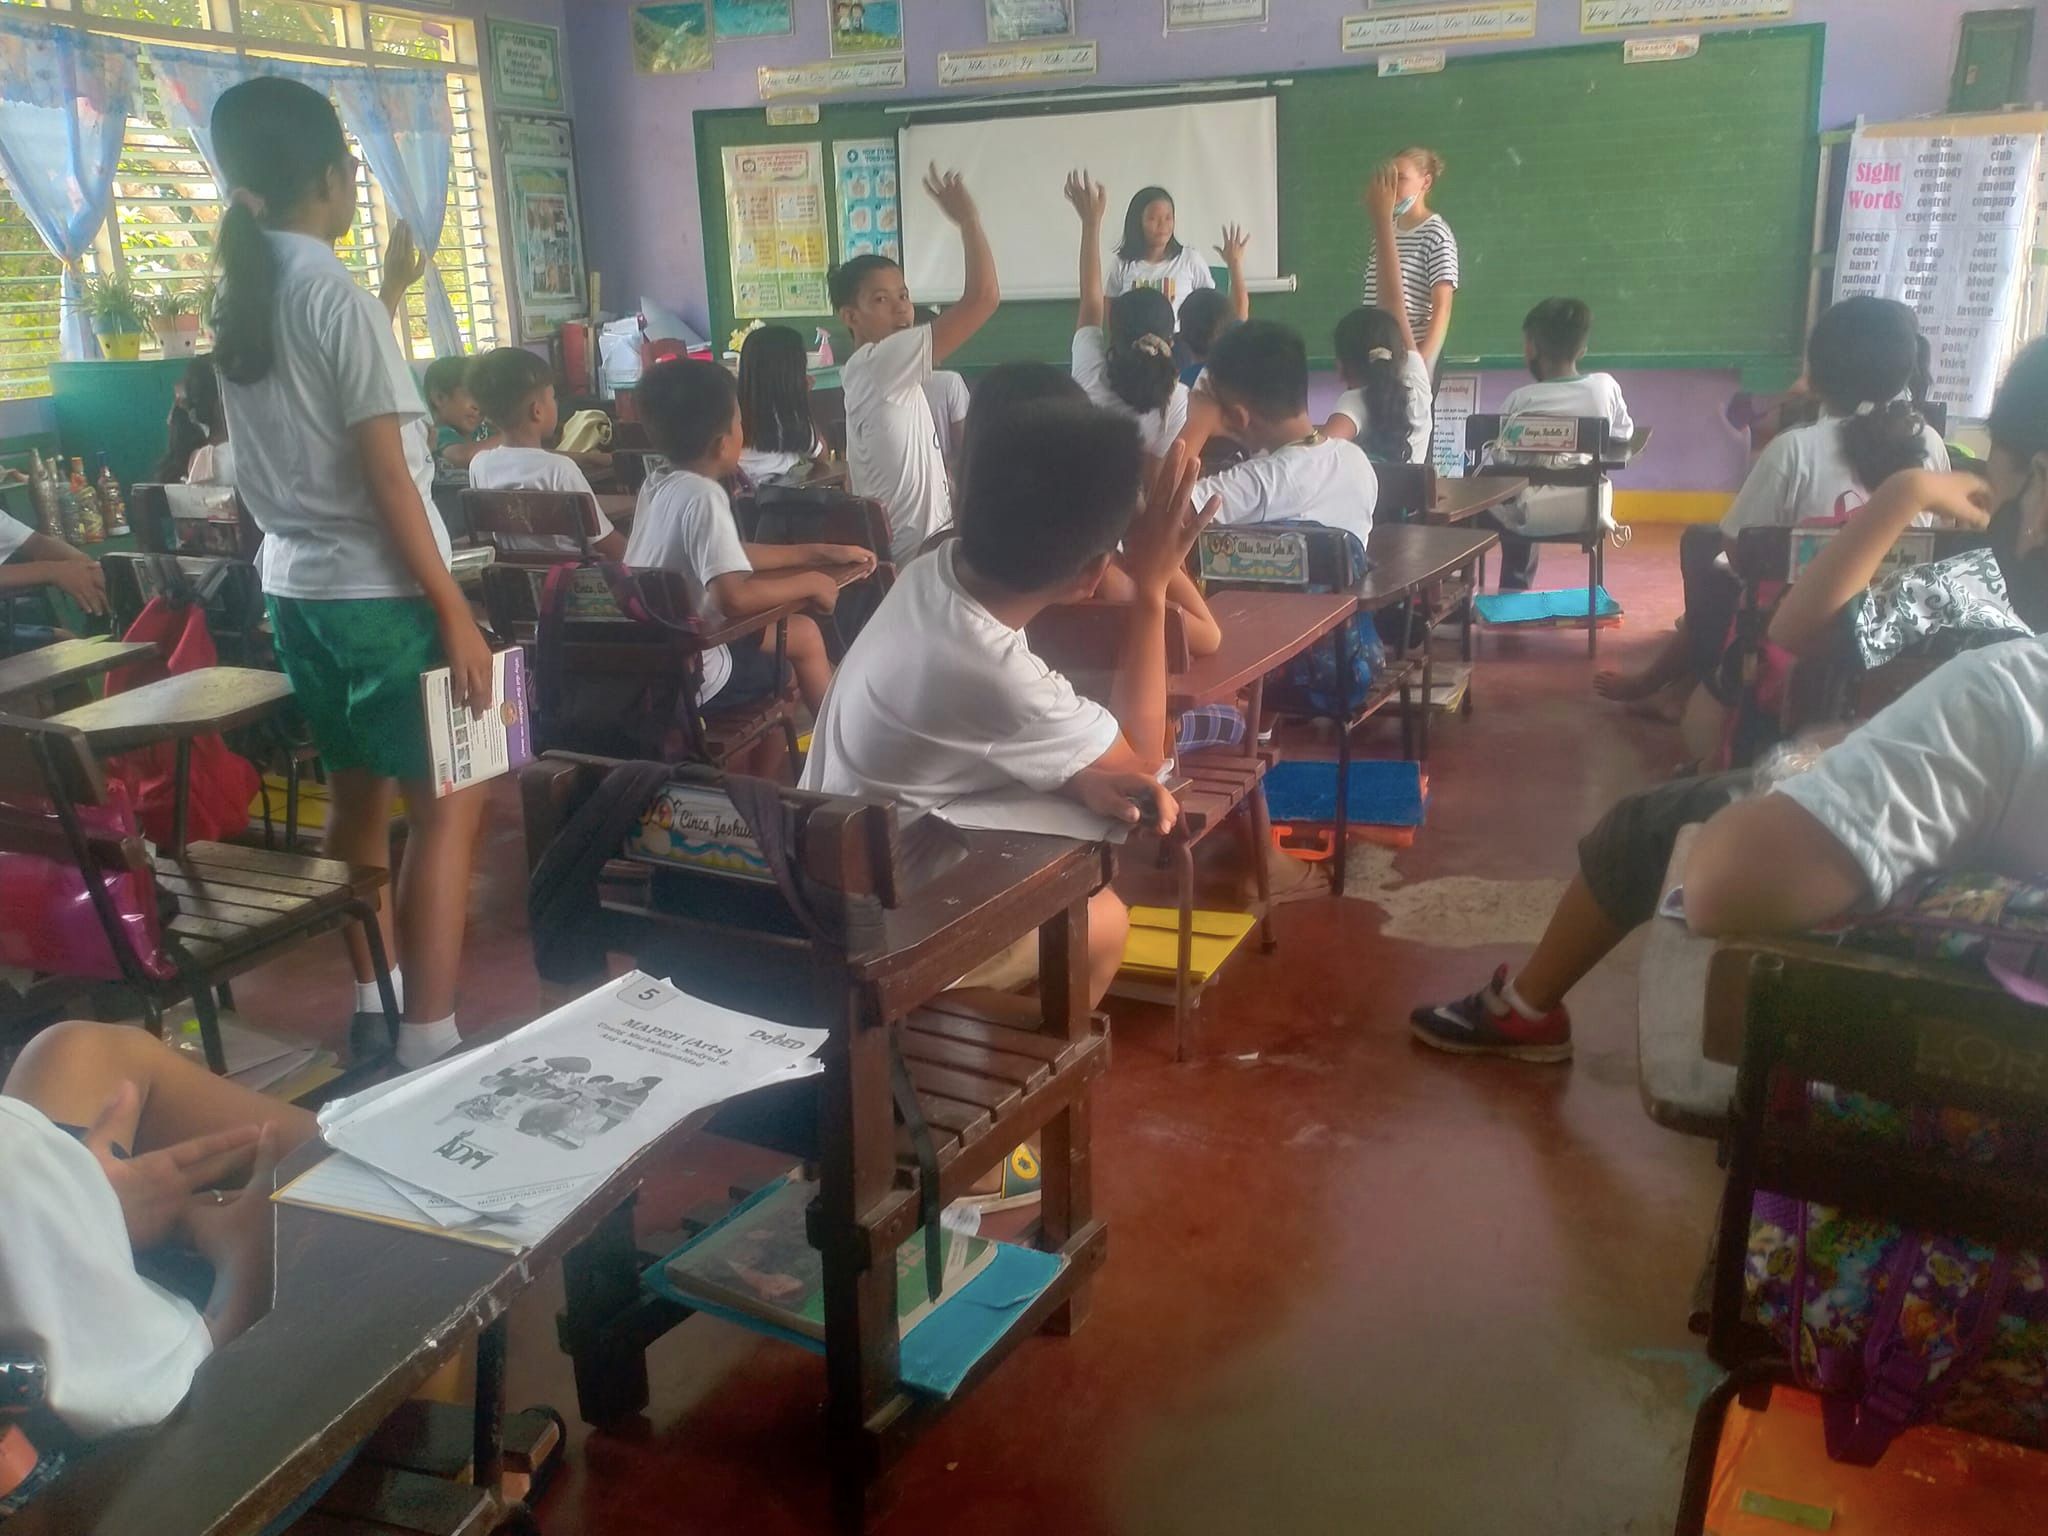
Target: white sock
[1514, 1000]
[419, 1044]
[367, 1000]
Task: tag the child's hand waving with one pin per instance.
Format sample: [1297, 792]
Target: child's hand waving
[1089, 197]
[1383, 191]
[1232, 250]
[1160, 536]
[947, 190]
[403, 265]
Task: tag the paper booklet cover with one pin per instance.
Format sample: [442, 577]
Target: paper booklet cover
[568, 1099]
[467, 747]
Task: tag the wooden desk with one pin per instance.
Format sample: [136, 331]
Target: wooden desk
[843, 576]
[1261, 632]
[35, 678]
[363, 1314]
[1409, 562]
[1459, 501]
[178, 709]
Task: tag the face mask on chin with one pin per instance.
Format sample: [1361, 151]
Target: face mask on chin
[1401, 208]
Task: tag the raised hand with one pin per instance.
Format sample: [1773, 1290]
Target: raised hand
[1232, 250]
[947, 190]
[403, 263]
[1089, 196]
[1383, 191]
[1160, 536]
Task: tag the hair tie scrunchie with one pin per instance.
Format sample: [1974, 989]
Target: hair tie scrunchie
[242, 197]
[1379, 355]
[1867, 408]
[1153, 346]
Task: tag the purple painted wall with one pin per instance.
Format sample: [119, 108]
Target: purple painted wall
[1885, 59]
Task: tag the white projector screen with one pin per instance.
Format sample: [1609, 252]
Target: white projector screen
[1219, 159]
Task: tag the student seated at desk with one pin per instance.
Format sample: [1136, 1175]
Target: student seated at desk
[1204, 315]
[518, 390]
[196, 450]
[31, 559]
[1123, 351]
[941, 696]
[1256, 391]
[1386, 407]
[894, 454]
[775, 404]
[460, 431]
[112, 1140]
[1623, 859]
[1554, 338]
[684, 523]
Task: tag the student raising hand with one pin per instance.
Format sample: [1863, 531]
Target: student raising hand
[1235, 243]
[947, 190]
[1157, 542]
[155, 1189]
[1089, 197]
[1383, 191]
[403, 266]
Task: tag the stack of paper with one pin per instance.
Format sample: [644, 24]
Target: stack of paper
[498, 1145]
[254, 1059]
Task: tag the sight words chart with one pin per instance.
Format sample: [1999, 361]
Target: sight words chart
[1946, 222]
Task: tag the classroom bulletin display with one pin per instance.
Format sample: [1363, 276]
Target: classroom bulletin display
[775, 230]
[672, 39]
[1020, 21]
[1032, 61]
[1455, 24]
[526, 66]
[1946, 222]
[831, 77]
[538, 157]
[862, 27]
[1182, 15]
[752, 18]
[1616, 15]
[870, 220]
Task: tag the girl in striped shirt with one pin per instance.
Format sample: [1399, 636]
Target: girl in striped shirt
[1426, 252]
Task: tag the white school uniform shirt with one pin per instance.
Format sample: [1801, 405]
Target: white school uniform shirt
[1804, 476]
[1328, 481]
[946, 392]
[211, 464]
[759, 464]
[683, 522]
[513, 468]
[1590, 394]
[893, 451]
[1952, 776]
[1429, 255]
[118, 1350]
[1156, 429]
[337, 365]
[13, 534]
[939, 698]
[1176, 277]
[1421, 402]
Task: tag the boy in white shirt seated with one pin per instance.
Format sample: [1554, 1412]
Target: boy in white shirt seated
[684, 523]
[1256, 391]
[517, 390]
[32, 559]
[894, 453]
[1554, 338]
[941, 695]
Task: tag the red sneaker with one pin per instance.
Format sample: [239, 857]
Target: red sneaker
[1485, 1024]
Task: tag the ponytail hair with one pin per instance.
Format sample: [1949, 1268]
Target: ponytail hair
[1369, 355]
[1142, 371]
[775, 391]
[277, 140]
[1862, 357]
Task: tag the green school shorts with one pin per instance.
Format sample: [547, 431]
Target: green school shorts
[355, 666]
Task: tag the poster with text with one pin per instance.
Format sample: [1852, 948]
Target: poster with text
[1019, 21]
[752, 18]
[1182, 14]
[775, 230]
[544, 223]
[526, 66]
[1457, 397]
[672, 39]
[1946, 224]
[869, 223]
[866, 26]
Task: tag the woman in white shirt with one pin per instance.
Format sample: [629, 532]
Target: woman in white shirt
[1127, 365]
[1150, 255]
[333, 462]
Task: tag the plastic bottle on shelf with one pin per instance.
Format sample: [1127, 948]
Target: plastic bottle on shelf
[113, 510]
[91, 530]
[42, 493]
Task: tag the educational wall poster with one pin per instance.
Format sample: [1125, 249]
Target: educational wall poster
[1183, 14]
[1037, 61]
[1613, 15]
[1946, 223]
[752, 18]
[775, 230]
[526, 67]
[1660, 50]
[869, 221]
[863, 27]
[1453, 24]
[831, 77]
[1019, 21]
[544, 223]
[1457, 397]
[672, 39]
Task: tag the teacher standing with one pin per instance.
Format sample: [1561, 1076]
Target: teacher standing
[1424, 251]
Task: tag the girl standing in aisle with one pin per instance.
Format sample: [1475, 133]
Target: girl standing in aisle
[1151, 256]
[334, 464]
[1412, 241]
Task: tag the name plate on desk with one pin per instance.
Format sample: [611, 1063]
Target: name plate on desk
[1233, 554]
[692, 827]
[1540, 434]
[1913, 547]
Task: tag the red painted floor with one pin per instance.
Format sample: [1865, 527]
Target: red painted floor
[1353, 1286]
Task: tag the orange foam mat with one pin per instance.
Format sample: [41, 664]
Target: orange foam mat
[1774, 1479]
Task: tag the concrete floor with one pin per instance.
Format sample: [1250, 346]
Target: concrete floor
[1354, 1286]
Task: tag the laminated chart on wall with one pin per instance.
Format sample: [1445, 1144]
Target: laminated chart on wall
[1947, 221]
[864, 171]
[776, 229]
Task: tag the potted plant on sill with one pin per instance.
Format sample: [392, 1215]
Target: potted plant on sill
[175, 319]
[119, 317]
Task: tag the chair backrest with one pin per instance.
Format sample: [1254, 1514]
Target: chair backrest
[1521, 446]
[623, 684]
[1407, 492]
[1295, 556]
[634, 467]
[828, 415]
[501, 517]
[1085, 640]
[228, 589]
[803, 514]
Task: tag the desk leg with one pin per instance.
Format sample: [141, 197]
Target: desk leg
[183, 791]
[601, 1280]
[1342, 718]
[487, 1442]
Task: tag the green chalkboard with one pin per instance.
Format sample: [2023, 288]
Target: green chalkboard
[1676, 198]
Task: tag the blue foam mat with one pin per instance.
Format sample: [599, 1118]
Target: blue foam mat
[1568, 603]
[1382, 793]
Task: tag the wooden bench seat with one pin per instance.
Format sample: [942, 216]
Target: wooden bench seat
[230, 898]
